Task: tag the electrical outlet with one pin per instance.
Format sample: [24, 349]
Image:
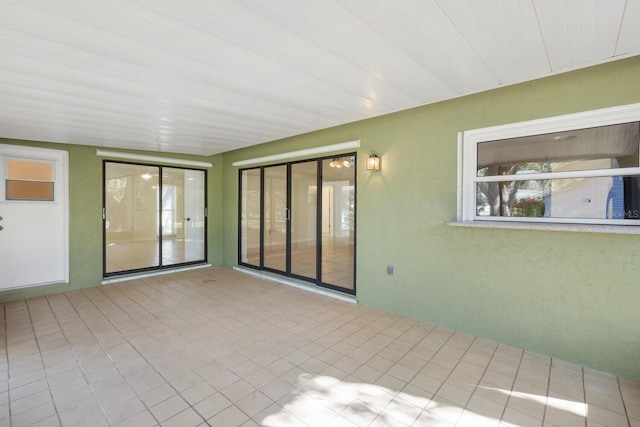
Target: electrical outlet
[390, 270]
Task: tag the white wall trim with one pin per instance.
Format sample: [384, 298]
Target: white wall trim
[297, 284]
[565, 122]
[300, 153]
[135, 276]
[548, 226]
[155, 159]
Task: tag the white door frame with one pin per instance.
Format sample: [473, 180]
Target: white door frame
[61, 191]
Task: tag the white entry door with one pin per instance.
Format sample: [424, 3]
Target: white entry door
[34, 211]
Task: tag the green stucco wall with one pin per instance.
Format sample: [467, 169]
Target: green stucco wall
[85, 216]
[575, 296]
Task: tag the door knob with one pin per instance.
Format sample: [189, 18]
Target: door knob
[0, 218]
[1, 228]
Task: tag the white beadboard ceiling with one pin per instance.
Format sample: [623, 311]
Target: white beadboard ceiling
[205, 77]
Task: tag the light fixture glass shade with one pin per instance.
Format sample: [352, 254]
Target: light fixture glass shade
[373, 162]
[340, 162]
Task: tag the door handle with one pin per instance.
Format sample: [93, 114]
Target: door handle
[187, 219]
[1, 218]
[1, 228]
[287, 214]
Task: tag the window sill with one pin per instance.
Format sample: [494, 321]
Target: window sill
[580, 228]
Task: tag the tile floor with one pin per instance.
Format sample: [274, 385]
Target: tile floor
[222, 348]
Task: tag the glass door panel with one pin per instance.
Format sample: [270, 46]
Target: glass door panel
[195, 215]
[276, 216]
[304, 214]
[250, 217]
[183, 216]
[131, 217]
[338, 222]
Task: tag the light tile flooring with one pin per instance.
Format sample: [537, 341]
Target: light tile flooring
[218, 347]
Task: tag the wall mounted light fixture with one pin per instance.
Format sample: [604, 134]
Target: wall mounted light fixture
[373, 162]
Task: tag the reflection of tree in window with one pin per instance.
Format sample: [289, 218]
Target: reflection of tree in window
[117, 204]
[117, 187]
[502, 197]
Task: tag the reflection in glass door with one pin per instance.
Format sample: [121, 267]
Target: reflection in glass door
[131, 217]
[304, 215]
[168, 210]
[276, 217]
[287, 225]
[154, 217]
[250, 217]
[338, 224]
[186, 244]
[195, 215]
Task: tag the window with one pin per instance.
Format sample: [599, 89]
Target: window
[578, 168]
[29, 180]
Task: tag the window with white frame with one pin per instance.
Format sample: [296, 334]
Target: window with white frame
[577, 168]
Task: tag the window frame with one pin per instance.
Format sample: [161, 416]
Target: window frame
[467, 160]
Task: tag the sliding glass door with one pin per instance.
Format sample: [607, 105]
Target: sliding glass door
[288, 226]
[154, 217]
